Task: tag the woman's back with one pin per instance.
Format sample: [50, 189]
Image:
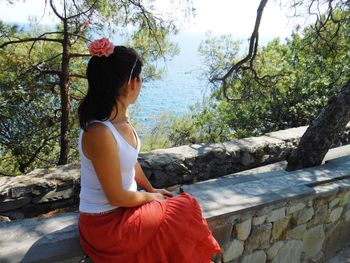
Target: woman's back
[92, 197]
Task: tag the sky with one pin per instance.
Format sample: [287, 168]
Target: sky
[220, 16]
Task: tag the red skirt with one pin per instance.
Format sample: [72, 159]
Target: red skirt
[168, 231]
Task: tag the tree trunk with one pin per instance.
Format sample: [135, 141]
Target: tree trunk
[322, 133]
[65, 104]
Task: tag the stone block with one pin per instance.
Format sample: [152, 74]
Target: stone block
[321, 215]
[337, 238]
[247, 159]
[4, 219]
[280, 228]
[223, 234]
[259, 238]
[295, 208]
[305, 215]
[335, 215]
[347, 216]
[276, 214]
[319, 202]
[258, 220]
[256, 257]
[233, 250]
[272, 251]
[160, 178]
[20, 190]
[289, 253]
[54, 196]
[333, 203]
[14, 215]
[242, 230]
[297, 232]
[345, 199]
[313, 240]
[12, 204]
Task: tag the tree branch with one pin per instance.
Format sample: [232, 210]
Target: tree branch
[78, 76]
[55, 10]
[30, 40]
[83, 12]
[253, 44]
[78, 55]
[145, 14]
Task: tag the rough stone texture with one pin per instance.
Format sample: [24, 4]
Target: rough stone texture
[256, 257]
[337, 238]
[297, 232]
[333, 203]
[39, 191]
[4, 219]
[321, 214]
[295, 208]
[273, 250]
[165, 167]
[345, 199]
[342, 256]
[280, 228]
[259, 220]
[225, 203]
[260, 238]
[289, 253]
[222, 233]
[347, 216]
[313, 241]
[335, 215]
[305, 215]
[234, 250]
[243, 229]
[276, 214]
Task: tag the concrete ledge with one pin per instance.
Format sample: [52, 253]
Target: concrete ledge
[40, 240]
[248, 204]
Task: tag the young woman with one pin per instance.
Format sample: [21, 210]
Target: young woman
[117, 223]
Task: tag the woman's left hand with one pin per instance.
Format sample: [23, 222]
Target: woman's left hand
[164, 192]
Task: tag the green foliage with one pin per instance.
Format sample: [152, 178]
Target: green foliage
[295, 80]
[297, 77]
[32, 73]
[29, 111]
[168, 131]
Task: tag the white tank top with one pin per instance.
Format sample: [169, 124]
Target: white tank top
[92, 197]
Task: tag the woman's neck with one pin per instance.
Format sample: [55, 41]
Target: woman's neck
[119, 113]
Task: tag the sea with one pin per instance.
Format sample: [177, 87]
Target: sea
[182, 85]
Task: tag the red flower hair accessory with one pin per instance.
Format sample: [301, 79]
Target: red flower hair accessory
[101, 47]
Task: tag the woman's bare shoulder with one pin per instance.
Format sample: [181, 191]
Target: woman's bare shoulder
[98, 138]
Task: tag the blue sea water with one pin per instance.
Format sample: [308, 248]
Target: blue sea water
[182, 84]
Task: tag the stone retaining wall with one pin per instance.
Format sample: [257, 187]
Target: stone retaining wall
[198, 162]
[44, 190]
[309, 229]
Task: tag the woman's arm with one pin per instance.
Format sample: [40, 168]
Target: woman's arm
[142, 181]
[101, 148]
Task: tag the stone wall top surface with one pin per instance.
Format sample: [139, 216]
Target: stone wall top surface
[233, 193]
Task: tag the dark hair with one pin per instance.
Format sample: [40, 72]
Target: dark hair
[106, 76]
